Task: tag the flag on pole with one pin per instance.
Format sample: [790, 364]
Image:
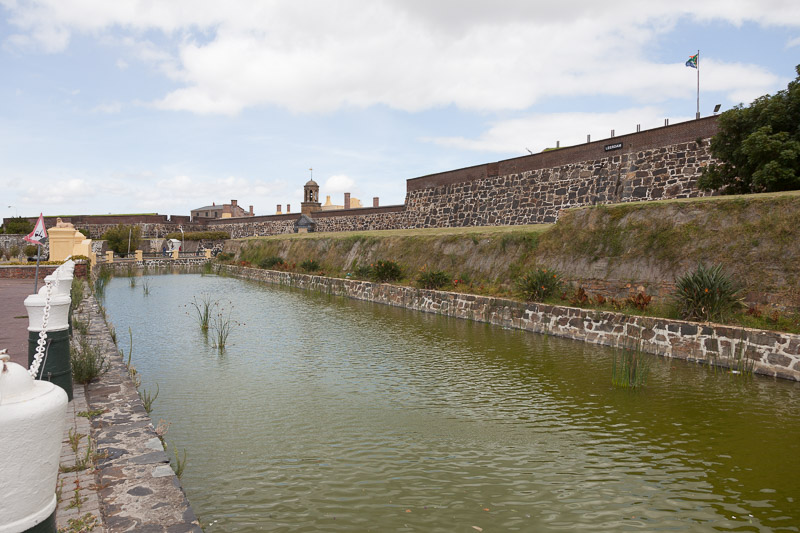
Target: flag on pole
[692, 62]
[38, 233]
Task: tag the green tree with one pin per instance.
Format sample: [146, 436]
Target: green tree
[18, 226]
[758, 146]
[117, 238]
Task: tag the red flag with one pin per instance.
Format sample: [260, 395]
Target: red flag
[38, 233]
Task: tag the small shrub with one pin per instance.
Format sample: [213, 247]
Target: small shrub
[30, 250]
[80, 326]
[432, 279]
[362, 272]
[463, 279]
[180, 462]
[13, 251]
[385, 271]
[539, 284]
[754, 311]
[270, 262]
[76, 292]
[224, 257]
[310, 265]
[599, 299]
[580, 297]
[639, 301]
[706, 294]
[88, 362]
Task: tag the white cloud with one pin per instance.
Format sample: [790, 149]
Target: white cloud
[338, 184]
[410, 55]
[793, 42]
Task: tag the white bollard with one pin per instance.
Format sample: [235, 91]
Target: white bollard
[31, 428]
[64, 282]
[59, 311]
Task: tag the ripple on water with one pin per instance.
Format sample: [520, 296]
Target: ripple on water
[329, 414]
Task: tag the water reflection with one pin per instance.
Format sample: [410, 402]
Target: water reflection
[331, 414]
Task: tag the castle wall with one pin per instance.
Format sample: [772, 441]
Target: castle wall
[653, 165]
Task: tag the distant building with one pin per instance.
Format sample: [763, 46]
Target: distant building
[330, 206]
[231, 210]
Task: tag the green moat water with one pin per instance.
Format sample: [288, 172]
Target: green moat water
[327, 414]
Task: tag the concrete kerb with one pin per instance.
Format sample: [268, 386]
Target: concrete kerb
[135, 487]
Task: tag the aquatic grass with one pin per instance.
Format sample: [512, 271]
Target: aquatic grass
[221, 327]
[104, 275]
[146, 286]
[130, 348]
[739, 363]
[132, 281]
[203, 309]
[630, 367]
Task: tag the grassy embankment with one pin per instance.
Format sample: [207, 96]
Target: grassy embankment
[755, 238]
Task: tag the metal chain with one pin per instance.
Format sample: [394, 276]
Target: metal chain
[42, 342]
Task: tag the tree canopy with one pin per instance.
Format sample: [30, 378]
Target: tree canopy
[758, 146]
[18, 226]
[117, 238]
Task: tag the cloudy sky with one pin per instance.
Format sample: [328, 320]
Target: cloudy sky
[132, 106]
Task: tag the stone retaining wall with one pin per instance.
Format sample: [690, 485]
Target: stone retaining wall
[773, 354]
[155, 263]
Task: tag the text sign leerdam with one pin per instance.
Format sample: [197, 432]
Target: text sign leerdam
[615, 146]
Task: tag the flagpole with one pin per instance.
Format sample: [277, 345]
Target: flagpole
[698, 85]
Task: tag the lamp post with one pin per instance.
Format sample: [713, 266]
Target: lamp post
[181, 248]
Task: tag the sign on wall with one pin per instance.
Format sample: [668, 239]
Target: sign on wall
[614, 146]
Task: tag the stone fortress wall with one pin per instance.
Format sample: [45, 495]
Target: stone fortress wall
[651, 165]
[655, 164]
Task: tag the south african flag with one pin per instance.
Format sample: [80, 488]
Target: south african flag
[692, 61]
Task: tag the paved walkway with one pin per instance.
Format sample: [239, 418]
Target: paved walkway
[14, 318]
[76, 487]
[114, 474]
